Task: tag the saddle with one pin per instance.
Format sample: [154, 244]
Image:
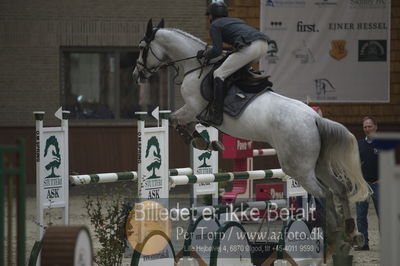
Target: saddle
[241, 88]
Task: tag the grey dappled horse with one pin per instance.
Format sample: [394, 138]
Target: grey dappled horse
[320, 154]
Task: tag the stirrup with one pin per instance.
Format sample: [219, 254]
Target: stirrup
[206, 115]
[216, 120]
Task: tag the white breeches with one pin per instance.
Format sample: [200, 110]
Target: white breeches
[244, 56]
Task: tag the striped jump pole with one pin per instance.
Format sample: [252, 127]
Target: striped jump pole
[119, 176]
[228, 176]
[181, 171]
[229, 208]
[102, 178]
[264, 152]
[242, 206]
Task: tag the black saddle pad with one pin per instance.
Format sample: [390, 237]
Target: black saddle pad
[239, 94]
[236, 100]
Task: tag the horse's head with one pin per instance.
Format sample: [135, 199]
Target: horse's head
[151, 59]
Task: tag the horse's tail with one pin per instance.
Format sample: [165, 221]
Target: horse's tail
[339, 148]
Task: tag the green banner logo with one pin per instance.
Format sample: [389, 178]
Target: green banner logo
[207, 154]
[52, 150]
[153, 152]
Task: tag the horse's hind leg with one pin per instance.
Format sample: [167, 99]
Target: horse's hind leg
[328, 178]
[337, 242]
[312, 185]
[343, 206]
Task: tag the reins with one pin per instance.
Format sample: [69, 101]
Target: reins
[154, 70]
[173, 65]
[203, 64]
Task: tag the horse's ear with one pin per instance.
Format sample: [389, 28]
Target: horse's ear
[149, 30]
[161, 24]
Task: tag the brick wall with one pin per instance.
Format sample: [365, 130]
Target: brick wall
[32, 32]
[348, 113]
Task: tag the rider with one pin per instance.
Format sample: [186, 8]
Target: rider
[250, 45]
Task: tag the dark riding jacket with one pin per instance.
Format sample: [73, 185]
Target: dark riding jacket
[232, 31]
[369, 160]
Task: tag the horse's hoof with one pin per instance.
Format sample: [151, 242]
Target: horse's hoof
[342, 260]
[350, 226]
[200, 144]
[217, 145]
[358, 240]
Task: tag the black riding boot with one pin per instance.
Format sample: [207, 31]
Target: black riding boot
[218, 103]
[214, 113]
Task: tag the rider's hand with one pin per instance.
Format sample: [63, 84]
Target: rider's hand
[200, 54]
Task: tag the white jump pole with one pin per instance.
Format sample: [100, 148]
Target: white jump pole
[228, 176]
[119, 176]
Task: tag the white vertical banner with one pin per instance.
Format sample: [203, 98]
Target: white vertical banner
[328, 50]
[153, 161]
[51, 168]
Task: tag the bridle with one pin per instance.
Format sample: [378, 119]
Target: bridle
[144, 68]
[152, 70]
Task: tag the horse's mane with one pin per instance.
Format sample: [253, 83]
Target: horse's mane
[186, 35]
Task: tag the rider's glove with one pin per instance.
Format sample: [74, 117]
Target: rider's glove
[200, 54]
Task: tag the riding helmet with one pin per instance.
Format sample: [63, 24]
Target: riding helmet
[217, 9]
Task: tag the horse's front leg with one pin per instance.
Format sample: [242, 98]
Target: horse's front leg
[184, 122]
[182, 116]
[193, 137]
[185, 125]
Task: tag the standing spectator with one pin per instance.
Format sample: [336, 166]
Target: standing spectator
[369, 165]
